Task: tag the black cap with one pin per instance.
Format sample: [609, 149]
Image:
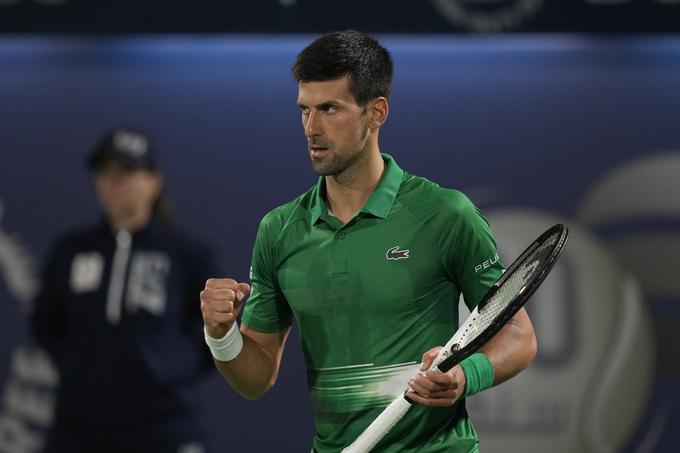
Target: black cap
[127, 146]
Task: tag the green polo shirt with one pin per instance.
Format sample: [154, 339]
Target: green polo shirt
[370, 297]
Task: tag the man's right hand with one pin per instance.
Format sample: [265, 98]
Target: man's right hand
[221, 302]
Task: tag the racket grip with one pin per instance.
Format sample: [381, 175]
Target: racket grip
[380, 426]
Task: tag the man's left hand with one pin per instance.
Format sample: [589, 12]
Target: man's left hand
[433, 388]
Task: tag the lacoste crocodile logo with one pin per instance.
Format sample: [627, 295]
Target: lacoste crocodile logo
[395, 254]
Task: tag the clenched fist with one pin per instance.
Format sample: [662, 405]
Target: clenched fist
[221, 302]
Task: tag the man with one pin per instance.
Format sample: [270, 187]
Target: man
[369, 264]
[115, 313]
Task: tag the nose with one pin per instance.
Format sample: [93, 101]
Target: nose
[311, 124]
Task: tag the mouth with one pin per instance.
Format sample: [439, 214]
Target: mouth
[318, 151]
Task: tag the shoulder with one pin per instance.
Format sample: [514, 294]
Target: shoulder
[179, 241]
[187, 240]
[281, 217]
[78, 238]
[422, 195]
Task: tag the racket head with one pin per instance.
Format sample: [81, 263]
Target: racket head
[510, 292]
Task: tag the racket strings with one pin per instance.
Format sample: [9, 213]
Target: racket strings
[511, 287]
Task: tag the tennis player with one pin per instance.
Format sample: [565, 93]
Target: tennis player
[369, 264]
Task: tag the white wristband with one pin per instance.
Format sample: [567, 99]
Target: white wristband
[228, 347]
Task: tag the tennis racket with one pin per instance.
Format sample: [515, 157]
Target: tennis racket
[498, 305]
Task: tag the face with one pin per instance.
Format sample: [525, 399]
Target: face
[126, 195]
[336, 127]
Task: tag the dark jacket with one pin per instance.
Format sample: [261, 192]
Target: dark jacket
[120, 317]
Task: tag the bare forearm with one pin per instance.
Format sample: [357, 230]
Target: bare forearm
[512, 349]
[253, 372]
[250, 358]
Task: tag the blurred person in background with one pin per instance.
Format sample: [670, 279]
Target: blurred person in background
[117, 313]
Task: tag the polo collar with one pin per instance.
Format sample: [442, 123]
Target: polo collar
[378, 204]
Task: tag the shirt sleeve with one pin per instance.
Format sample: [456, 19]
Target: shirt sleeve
[47, 319]
[266, 309]
[470, 254]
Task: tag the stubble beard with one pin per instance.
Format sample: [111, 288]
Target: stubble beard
[338, 164]
[334, 164]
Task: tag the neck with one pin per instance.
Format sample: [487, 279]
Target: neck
[347, 193]
[132, 224]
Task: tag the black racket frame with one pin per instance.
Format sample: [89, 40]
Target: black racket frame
[459, 354]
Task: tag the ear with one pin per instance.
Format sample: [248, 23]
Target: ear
[379, 108]
[157, 182]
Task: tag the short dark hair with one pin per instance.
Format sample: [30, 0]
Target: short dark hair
[350, 53]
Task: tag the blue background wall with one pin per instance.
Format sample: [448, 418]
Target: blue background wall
[525, 121]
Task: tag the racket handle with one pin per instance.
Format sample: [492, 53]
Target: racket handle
[380, 426]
